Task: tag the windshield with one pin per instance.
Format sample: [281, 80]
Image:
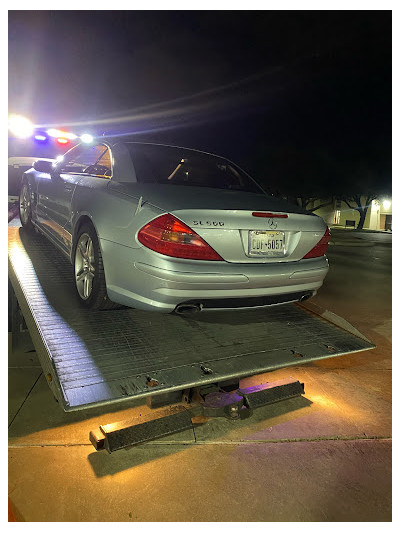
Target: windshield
[180, 166]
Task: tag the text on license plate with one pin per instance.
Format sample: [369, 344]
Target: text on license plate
[268, 243]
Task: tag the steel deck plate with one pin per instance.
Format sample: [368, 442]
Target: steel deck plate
[99, 357]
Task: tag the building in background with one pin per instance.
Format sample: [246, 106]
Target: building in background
[339, 214]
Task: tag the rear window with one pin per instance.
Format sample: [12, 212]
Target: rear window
[180, 166]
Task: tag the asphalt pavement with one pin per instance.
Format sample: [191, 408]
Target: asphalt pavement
[346, 237]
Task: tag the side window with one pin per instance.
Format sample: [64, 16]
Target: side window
[91, 160]
[105, 162]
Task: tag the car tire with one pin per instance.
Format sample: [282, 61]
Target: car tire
[90, 281]
[25, 207]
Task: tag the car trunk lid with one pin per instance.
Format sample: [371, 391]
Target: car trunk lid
[235, 223]
[176, 197]
[240, 237]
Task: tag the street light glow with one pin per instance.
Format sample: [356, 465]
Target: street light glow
[20, 126]
[386, 204]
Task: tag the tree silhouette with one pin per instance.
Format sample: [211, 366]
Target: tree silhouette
[362, 183]
[308, 177]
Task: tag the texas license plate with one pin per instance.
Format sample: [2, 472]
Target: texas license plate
[267, 243]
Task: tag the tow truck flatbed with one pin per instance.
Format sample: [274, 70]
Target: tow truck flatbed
[93, 358]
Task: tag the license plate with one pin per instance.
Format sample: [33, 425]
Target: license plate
[267, 243]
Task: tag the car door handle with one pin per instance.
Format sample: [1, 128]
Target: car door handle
[68, 187]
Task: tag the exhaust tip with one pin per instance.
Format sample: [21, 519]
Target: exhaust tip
[188, 308]
[307, 296]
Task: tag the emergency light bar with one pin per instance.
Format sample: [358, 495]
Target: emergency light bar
[22, 128]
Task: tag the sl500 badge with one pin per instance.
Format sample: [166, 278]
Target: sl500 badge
[209, 223]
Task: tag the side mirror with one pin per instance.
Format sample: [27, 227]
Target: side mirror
[43, 165]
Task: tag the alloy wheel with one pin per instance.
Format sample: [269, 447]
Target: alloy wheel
[84, 266]
[24, 205]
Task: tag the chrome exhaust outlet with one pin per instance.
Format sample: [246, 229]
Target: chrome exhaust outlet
[307, 296]
[188, 308]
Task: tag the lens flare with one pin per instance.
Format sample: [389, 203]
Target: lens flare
[70, 136]
[53, 132]
[20, 127]
[86, 138]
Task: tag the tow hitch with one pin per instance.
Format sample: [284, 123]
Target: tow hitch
[213, 400]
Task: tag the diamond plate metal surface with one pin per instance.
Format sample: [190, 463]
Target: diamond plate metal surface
[98, 357]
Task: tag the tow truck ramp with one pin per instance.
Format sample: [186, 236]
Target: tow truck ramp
[93, 358]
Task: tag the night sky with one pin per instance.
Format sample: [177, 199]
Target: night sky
[292, 95]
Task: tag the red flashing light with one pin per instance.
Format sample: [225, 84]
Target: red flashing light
[169, 236]
[321, 247]
[61, 140]
[268, 215]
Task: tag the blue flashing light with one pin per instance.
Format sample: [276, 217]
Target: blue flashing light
[40, 137]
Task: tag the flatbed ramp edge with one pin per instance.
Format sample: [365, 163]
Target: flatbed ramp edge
[93, 358]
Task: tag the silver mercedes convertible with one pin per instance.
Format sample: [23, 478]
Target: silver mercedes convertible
[164, 228]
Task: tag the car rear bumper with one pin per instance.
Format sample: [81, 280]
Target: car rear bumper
[132, 281]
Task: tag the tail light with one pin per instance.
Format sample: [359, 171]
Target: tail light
[169, 236]
[320, 248]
